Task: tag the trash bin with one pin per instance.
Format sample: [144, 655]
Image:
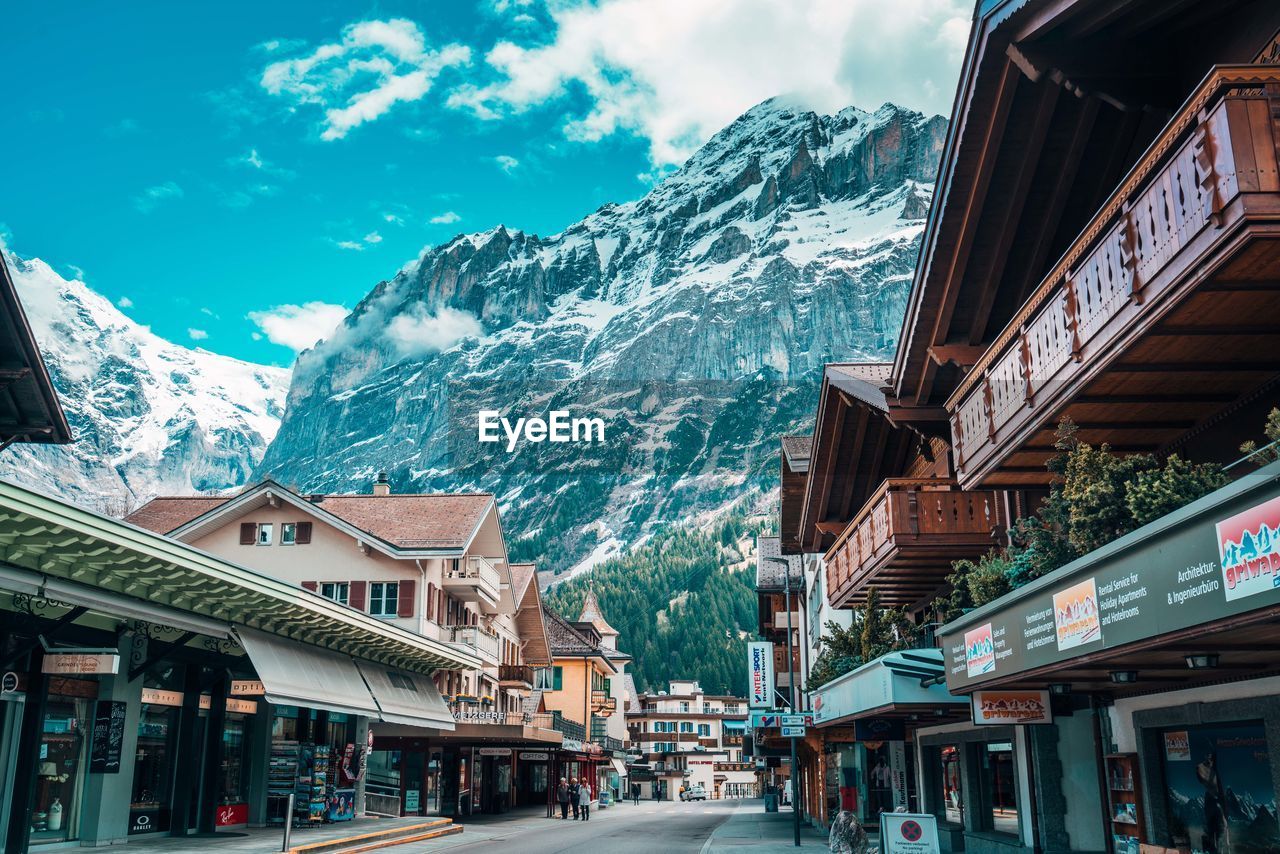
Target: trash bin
[771, 802]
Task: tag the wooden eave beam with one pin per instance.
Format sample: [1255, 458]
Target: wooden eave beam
[985, 170]
[1009, 229]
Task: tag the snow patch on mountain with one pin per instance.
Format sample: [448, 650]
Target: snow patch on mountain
[148, 416]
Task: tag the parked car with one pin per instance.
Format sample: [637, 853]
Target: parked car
[694, 793]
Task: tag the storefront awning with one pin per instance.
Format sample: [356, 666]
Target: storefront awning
[897, 684]
[619, 766]
[295, 674]
[405, 698]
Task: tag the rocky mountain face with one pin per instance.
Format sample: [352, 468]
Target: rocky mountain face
[149, 417]
[693, 322]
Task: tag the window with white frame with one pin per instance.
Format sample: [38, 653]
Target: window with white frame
[335, 590]
[686, 726]
[288, 533]
[384, 598]
[684, 707]
[704, 730]
[264, 534]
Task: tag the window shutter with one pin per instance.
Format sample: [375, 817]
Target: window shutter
[430, 604]
[407, 607]
[310, 585]
[557, 679]
[302, 534]
[248, 533]
[356, 594]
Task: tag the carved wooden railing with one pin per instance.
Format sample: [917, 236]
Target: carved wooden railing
[908, 511]
[1200, 162]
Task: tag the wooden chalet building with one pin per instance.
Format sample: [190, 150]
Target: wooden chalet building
[1103, 246]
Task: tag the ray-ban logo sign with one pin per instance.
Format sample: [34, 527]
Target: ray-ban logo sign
[492, 427]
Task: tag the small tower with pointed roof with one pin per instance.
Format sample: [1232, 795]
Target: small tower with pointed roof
[592, 614]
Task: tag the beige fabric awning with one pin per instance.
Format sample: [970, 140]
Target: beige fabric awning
[411, 699]
[295, 674]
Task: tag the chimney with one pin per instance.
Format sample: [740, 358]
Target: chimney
[381, 486]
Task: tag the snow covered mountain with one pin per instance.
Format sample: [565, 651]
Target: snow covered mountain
[148, 416]
[694, 321]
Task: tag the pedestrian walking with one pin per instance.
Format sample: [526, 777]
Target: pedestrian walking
[584, 800]
[635, 794]
[573, 797]
[562, 796]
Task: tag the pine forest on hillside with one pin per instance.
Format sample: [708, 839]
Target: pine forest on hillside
[683, 603]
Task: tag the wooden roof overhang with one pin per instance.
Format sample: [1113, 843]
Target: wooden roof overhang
[29, 407]
[1160, 596]
[794, 459]
[1163, 318]
[1056, 101]
[856, 445]
[57, 543]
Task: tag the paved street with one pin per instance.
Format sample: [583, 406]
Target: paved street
[708, 827]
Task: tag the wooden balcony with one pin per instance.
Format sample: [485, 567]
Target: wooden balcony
[905, 537]
[518, 676]
[1162, 315]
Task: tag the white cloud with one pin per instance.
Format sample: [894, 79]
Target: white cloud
[394, 219]
[197, 334]
[674, 72]
[418, 331]
[375, 66]
[298, 327]
[124, 302]
[507, 163]
[373, 237]
[152, 197]
[351, 245]
[446, 218]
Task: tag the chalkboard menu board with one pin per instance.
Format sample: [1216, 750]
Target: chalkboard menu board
[108, 737]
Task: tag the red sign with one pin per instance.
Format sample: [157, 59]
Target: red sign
[231, 814]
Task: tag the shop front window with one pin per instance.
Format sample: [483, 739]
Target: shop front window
[1218, 788]
[999, 786]
[62, 766]
[952, 798]
[234, 768]
[153, 769]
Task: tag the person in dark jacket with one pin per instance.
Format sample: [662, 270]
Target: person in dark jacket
[573, 796]
[635, 794]
[562, 796]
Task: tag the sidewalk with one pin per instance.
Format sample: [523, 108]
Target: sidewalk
[752, 829]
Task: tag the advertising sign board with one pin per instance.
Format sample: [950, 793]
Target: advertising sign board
[1220, 561]
[909, 833]
[760, 674]
[1001, 708]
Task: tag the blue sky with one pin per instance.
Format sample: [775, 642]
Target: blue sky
[236, 174]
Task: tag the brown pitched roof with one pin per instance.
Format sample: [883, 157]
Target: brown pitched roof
[403, 521]
[162, 515]
[797, 447]
[591, 613]
[413, 521]
[564, 638]
[521, 575]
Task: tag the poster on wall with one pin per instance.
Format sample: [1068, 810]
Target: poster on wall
[1220, 796]
[1249, 547]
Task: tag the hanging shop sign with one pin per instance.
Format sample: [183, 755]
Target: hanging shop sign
[81, 663]
[160, 697]
[241, 707]
[898, 774]
[9, 682]
[534, 756]
[1190, 568]
[760, 679]
[1001, 708]
[247, 688]
[494, 751]
[909, 833]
